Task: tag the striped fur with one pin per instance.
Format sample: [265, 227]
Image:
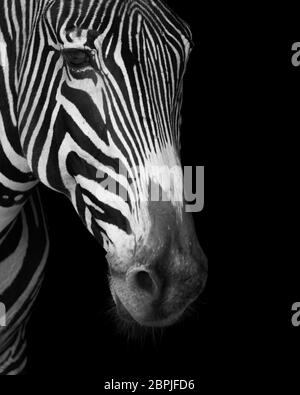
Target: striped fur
[63, 123]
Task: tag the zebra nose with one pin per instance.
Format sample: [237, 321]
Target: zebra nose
[144, 282]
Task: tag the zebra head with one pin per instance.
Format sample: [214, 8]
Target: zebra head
[99, 121]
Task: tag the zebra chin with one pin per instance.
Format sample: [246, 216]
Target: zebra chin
[135, 309]
[148, 322]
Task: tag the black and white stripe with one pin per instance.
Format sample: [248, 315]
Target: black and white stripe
[62, 123]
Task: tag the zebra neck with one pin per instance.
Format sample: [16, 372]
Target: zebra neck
[12, 200]
[7, 215]
[18, 20]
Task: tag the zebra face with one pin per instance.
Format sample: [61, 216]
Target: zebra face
[112, 116]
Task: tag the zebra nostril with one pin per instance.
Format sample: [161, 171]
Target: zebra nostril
[144, 282]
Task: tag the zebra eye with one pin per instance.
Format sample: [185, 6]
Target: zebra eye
[77, 59]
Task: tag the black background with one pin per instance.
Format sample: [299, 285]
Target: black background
[288, 89]
[71, 330]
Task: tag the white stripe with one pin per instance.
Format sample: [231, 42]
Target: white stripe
[19, 162]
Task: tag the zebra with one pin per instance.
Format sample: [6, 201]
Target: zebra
[90, 90]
